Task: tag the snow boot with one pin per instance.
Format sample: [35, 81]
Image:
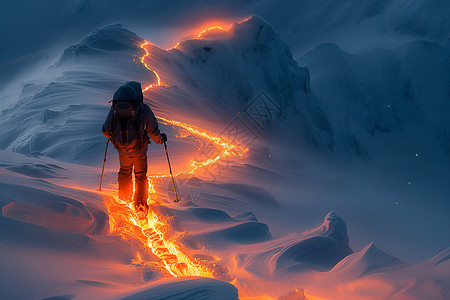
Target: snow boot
[141, 208]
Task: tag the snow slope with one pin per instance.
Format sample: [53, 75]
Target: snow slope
[98, 263]
[224, 74]
[198, 288]
[256, 221]
[58, 111]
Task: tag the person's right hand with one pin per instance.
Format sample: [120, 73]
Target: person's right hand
[164, 136]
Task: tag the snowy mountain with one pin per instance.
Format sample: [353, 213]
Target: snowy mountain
[252, 55]
[383, 91]
[102, 45]
[257, 223]
[61, 110]
[219, 73]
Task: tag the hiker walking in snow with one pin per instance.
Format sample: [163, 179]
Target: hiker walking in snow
[128, 125]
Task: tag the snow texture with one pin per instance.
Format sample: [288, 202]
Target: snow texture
[259, 217]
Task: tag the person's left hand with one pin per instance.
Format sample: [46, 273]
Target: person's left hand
[107, 134]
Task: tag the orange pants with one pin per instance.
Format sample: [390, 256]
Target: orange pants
[127, 162]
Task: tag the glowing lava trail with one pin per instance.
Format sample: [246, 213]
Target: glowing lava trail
[142, 59]
[208, 29]
[226, 148]
[153, 230]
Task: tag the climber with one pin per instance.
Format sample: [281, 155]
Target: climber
[129, 124]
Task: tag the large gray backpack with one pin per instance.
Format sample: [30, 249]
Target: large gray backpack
[128, 132]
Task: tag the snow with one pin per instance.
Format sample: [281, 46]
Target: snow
[367, 261]
[197, 288]
[293, 219]
[319, 249]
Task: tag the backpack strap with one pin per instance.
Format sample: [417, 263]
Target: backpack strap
[113, 127]
[141, 125]
[137, 118]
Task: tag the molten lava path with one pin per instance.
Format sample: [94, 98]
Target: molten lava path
[173, 259]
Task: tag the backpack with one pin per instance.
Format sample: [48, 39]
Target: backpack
[128, 133]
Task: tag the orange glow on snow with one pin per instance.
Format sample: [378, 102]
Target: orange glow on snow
[226, 148]
[142, 59]
[212, 27]
[256, 298]
[153, 230]
[152, 233]
[208, 29]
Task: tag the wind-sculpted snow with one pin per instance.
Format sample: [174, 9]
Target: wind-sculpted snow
[250, 225]
[319, 249]
[188, 289]
[49, 225]
[62, 110]
[367, 261]
[101, 44]
[37, 170]
[252, 58]
[214, 77]
[223, 231]
[249, 232]
[38, 206]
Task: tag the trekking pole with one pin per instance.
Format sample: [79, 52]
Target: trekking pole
[170, 169]
[104, 162]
